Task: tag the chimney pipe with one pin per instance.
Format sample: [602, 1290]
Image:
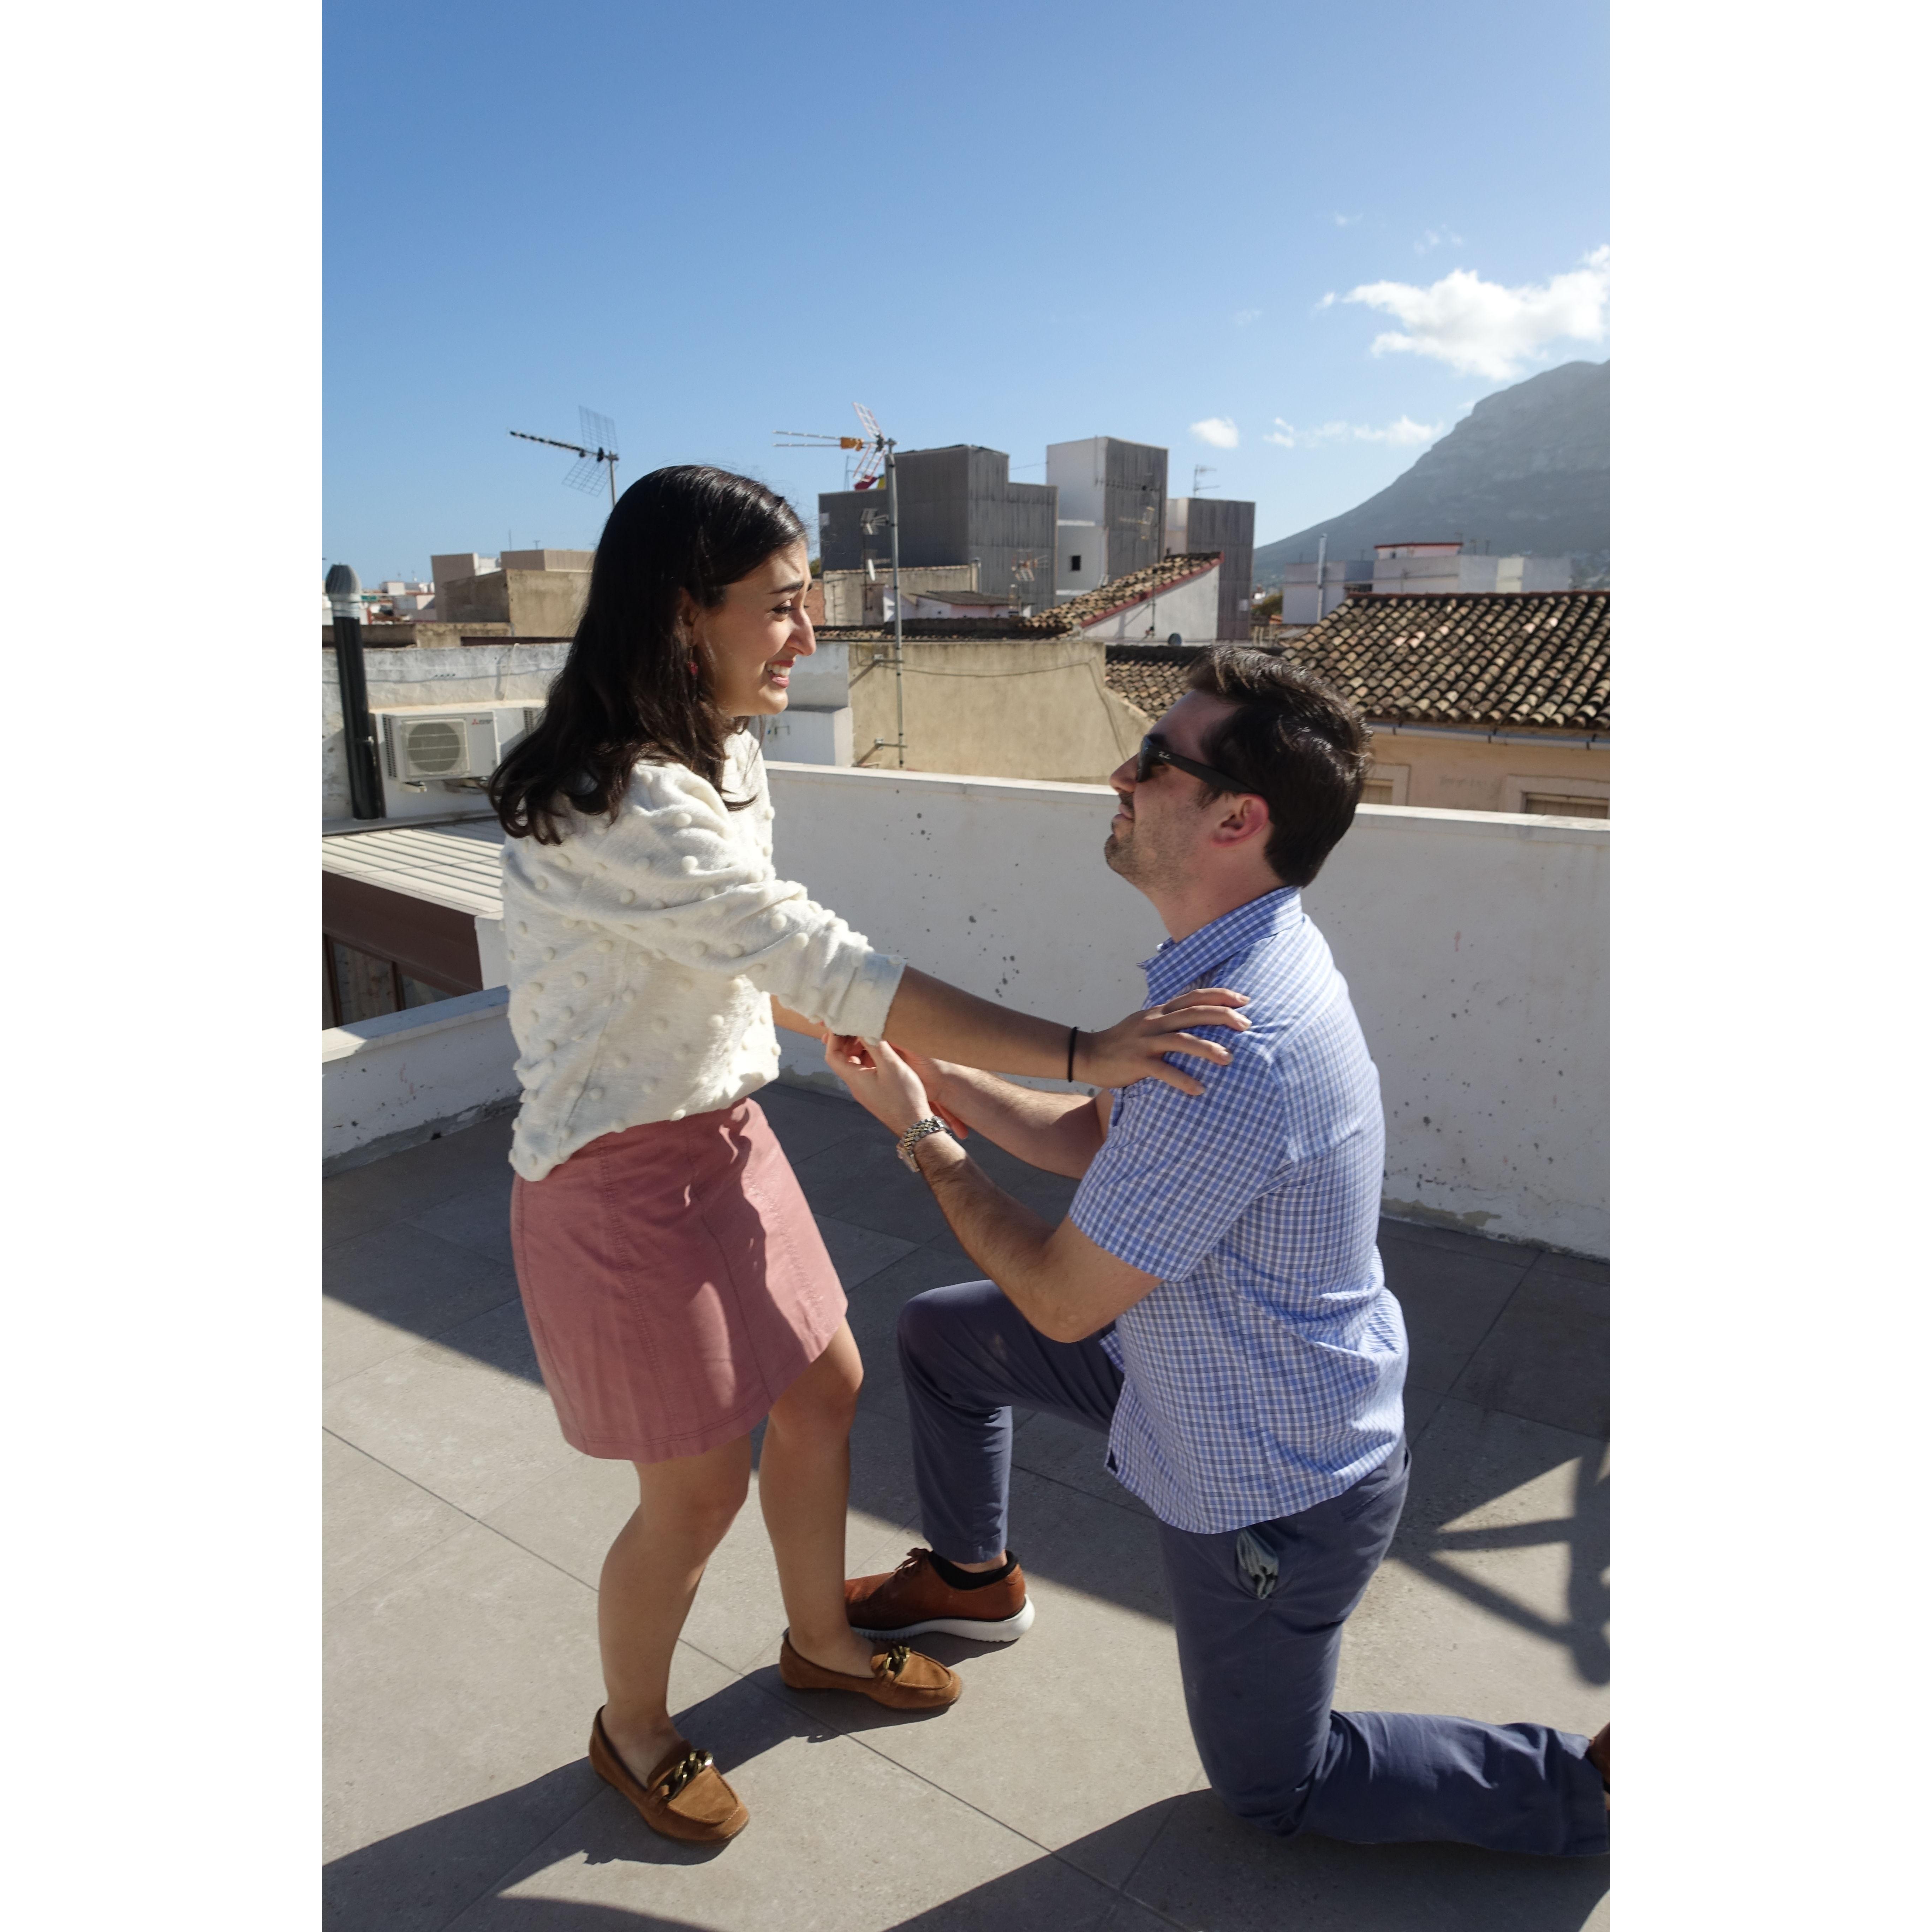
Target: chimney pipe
[343, 589]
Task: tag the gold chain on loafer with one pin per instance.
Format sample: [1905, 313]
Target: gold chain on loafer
[684, 1771]
[895, 1658]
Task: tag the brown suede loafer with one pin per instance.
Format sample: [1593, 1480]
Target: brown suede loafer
[683, 1798]
[902, 1679]
[914, 1598]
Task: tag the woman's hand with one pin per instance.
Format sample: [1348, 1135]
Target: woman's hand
[1133, 1049]
[879, 1080]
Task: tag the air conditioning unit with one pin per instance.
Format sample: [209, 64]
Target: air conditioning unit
[420, 747]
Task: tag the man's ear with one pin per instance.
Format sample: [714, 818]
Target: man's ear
[1241, 819]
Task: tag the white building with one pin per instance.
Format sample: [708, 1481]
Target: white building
[1112, 510]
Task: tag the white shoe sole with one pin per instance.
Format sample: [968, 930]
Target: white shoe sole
[980, 1629]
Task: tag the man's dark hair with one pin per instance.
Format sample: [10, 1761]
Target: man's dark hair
[1299, 743]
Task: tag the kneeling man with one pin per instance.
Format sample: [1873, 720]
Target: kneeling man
[1214, 1302]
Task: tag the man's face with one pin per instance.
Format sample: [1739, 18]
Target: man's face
[1161, 832]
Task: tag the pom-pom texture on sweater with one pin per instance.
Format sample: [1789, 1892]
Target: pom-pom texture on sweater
[641, 955]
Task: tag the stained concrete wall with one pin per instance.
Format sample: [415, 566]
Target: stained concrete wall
[1474, 945]
[1022, 708]
[455, 676]
[393, 1082]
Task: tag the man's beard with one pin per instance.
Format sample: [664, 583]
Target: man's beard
[1142, 865]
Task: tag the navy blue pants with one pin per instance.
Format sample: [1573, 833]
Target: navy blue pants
[1258, 1614]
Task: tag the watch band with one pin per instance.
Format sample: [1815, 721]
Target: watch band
[914, 1134]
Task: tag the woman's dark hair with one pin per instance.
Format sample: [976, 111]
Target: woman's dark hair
[1302, 746]
[635, 684]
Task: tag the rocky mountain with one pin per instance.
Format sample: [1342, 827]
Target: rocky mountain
[1527, 471]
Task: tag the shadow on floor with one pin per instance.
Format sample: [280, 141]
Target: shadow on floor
[1203, 1868]
[419, 1241]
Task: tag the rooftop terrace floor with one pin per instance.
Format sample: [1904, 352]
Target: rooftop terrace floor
[463, 1538]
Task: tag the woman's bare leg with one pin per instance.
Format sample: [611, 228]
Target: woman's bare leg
[803, 1476]
[684, 1507]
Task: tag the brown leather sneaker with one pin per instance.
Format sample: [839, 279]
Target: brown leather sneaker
[915, 1598]
[902, 1679]
[684, 1797]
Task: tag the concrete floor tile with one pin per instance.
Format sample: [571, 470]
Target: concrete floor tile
[1548, 1357]
[372, 1520]
[351, 1341]
[1209, 1870]
[570, 1515]
[459, 1690]
[1458, 1240]
[1049, 1195]
[1079, 1725]
[469, 1431]
[841, 1840]
[361, 1200]
[1450, 1298]
[807, 1123]
[1066, 1452]
[414, 1280]
[862, 1180]
[1581, 1266]
[479, 1217]
[858, 1252]
[1493, 1602]
[1418, 1407]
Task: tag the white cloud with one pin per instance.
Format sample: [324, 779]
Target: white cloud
[1219, 431]
[1243, 317]
[1482, 328]
[1346, 220]
[1327, 301]
[1435, 237]
[1402, 434]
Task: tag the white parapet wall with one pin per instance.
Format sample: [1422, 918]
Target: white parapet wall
[1475, 945]
[389, 1083]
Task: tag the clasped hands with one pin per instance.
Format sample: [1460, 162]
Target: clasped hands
[897, 1086]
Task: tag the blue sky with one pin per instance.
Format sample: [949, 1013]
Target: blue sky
[1001, 223]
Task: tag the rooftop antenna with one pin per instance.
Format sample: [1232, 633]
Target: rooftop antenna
[1201, 469]
[597, 451]
[877, 455]
[1026, 567]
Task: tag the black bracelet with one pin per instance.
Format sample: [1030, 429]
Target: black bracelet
[1072, 1034]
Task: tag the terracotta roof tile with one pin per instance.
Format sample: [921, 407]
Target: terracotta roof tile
[1535, 661]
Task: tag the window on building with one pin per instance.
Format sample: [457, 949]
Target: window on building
[1378, 791]
[1559, 805]
[357, 985]
[1074, 561]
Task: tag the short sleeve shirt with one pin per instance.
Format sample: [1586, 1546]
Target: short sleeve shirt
[1264, 1374]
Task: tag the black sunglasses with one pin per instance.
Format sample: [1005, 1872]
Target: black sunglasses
[1154, 751]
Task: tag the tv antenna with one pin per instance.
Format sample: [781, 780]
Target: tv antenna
[597, 451]
[1026, 567]
[1201, 469]
[877, 457]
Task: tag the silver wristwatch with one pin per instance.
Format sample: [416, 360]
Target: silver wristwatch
[914, 1134]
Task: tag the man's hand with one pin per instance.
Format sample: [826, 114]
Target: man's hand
[879, 1080]
[1134, 1048]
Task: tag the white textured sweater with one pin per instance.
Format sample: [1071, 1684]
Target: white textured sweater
[642, 953]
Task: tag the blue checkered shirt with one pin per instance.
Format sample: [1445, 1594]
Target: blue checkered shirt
[1264, 1374]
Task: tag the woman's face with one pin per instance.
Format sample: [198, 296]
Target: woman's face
[753, 636]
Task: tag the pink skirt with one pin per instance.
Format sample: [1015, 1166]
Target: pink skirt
[675, 1283]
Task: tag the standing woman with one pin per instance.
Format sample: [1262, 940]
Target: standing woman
[677, 1290]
